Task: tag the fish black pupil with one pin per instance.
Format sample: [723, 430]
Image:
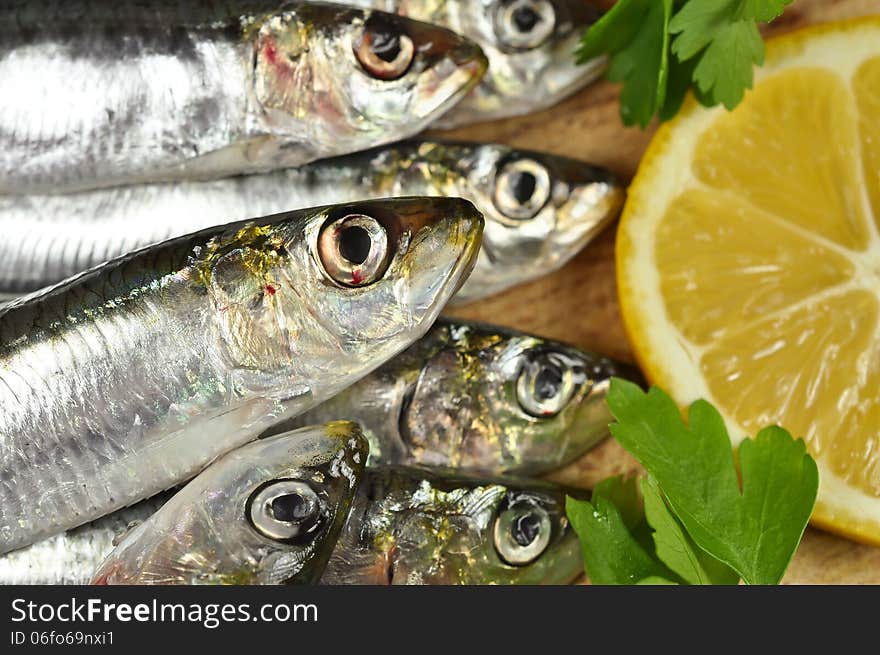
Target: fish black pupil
[526, 529]
[525, 19]
[547, 383]
[290, 508]
[385, 43]
[523, 186]
[354, 244]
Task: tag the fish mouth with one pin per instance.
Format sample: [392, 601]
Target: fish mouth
[437, 43]
[347, 468]
[352, 446]
[442, 226]
[472, 61]
[467, 260]
[592, 205]
[448, 80]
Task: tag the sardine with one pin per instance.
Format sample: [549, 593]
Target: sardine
[108, 91]
[266, 513]
[406, 526]
[530, 45]
[128, 379]
[409, 526]
[540, 209]
[481, 399]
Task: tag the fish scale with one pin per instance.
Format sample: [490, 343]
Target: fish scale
[137, 373]
[462, 397]
[214, 530]
[131, 91]
[39, 389]
[71, 557]
[216, 543]
[433, 527]
[93, 226]
[413, 526]
[72, 143]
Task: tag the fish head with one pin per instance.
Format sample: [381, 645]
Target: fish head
[540, 211]
[493, 402]
[320, 297]
[456, 531]
[530, 45]
[547, 402]
[378, 273]
[267, 513]
[351, 78]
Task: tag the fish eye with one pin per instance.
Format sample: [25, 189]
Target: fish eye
[522, 533]
[384, 50]
[522, 188]
[545, 385]
[525, 24]
[354, 250]
[285, 510]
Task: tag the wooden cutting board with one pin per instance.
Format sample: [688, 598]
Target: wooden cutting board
[578, 304]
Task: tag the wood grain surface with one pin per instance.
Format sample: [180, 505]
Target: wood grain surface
[578, 304]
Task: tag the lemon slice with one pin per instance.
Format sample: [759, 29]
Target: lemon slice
[749, 260]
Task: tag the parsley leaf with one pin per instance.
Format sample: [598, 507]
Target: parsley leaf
[655, 580]
[612, 554]
[755, 530]
[725, 35]
[635, 34]
[624, 494]
[660, 48]
[725, 70]
[698, 23]
[764, 10]
[678, 82]
[675, 548]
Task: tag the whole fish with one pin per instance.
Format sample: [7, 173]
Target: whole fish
[408, 526]
[540, 209]
[530, 45]
[482, 399]
[266, 513]
[128, 379]
[100, 92]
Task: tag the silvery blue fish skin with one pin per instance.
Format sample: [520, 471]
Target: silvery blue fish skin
[481, 399]
[127, 379]
[405, 526]
[540, 209]
[71, 557]
[416, 527]
[267, 513]
[114, 91]
[530, 45]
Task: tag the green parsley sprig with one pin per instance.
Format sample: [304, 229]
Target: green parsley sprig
[659, 49]
[692, 523]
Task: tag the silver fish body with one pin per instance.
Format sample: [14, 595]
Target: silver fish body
[414, 527]
[405, 526]
[481, 399]
[530, 45]
[70, 558]
[110, 91]
[266, 513]
[128, 379]
[540, 209]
